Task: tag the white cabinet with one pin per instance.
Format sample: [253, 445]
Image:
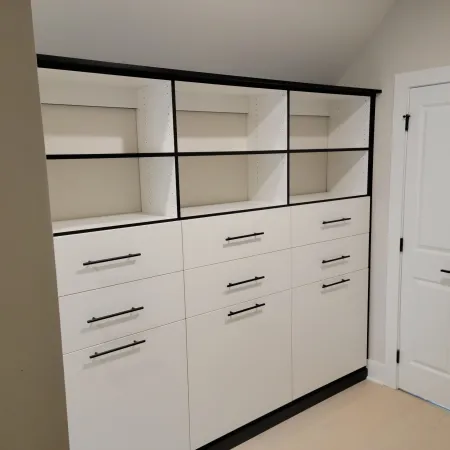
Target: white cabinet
[239, 365]
[101, 315]
[329, 330]
[316, 262]
[213, 287]
[224, 238]
[95, 260]
[320, 222]
[135, 398]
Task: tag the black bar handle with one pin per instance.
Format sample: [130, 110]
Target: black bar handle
[344, 219]
[258, 305]
[245, 281]
[121, 313]
[324, 286]
[123, 347]
[117, 258]
[244, 236]
[327, 261]
[445, 271]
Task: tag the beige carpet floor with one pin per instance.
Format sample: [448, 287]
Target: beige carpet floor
[364, 417]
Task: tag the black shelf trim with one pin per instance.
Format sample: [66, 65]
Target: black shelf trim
[128, 70]
[237, 152]
[264, 423]
[331, 150]
[329, 200]
[199, 216]
[109, 155]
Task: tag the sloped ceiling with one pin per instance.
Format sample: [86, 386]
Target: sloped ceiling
[303, 40]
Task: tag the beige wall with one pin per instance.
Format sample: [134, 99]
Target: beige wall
[414, 35]
[32, 404]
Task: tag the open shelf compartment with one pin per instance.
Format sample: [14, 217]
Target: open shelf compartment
[328, 121]
[97, 193]
[226, 183]
[327, 175]
[92, 114]
[217, 118]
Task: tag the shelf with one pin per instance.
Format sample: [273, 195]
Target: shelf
[237, 152]
[223, 208]
[318, 197]
[67, 226]
[107, 155]
[329, 150]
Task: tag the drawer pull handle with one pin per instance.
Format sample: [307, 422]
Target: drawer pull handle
[258, 305]
[324, 286]
[121, 313]
[123, 347]
[117, 258]
[245, 281]
[228, 239]
[445, 271]
[344, 219]
[327, 261]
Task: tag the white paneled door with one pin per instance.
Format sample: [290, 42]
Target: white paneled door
[425, 293]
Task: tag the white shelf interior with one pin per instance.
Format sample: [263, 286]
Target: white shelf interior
[214, 184]
[89, 113]
[215, 118]
[327, 175]
[321, 121]
[91, 193]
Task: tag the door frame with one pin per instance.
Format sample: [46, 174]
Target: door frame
[404, 82]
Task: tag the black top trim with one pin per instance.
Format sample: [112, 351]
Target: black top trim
[128, 70]
[329, 150]
[108, 155]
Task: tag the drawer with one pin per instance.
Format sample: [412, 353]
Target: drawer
[239, 366]
[214, 287]
[225, 238]
[131, 398]
[329, 331]
[320, 222]
[86, 317]
[91, 260]
[316, 262]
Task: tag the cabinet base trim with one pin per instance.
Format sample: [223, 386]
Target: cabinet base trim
[273, 418]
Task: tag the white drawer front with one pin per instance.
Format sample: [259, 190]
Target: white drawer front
[218, 239]
[239, 366]
[134, 398]
[316, 262]
[156, 301]
[329, 331]
[159, 246]
[308, 225]
[213, 287]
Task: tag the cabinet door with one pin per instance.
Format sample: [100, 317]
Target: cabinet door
[134, 398]
[320, 222]
[225, 238]
[95, 260]
[239, 365]
[329, 259]
[219, 285]
[102, 315]
[329, 330]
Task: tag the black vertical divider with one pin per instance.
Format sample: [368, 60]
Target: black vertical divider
[373, 100]
[175, 146]
[288, 147]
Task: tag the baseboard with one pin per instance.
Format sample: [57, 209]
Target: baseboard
[262, 424]
[377, 372]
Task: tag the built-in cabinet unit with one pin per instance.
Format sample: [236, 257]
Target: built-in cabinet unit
[212, 246]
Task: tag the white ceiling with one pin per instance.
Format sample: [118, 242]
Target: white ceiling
[304, 40]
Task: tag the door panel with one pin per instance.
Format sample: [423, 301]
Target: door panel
[425, 293]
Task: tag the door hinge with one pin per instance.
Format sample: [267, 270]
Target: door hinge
[407, 117]
[398, 356]
[401, 245]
